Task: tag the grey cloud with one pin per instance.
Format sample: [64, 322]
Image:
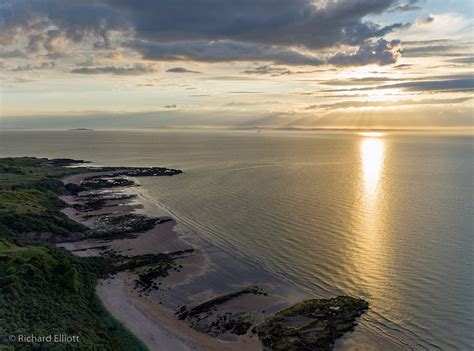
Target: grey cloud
[358, 104]
[411, 5]
[433, 48]
[356, 81]
[219, 51]
[270, 22]
[145, 85]
[462, 84]
[381, 52]
[464, 60]
[447, 85]
[74, 19]
[180, 70]
[22, 80]
[30, 67]
[404, 8]
[425, 20]
[273, 71]
[91, 61]
[13, 54]
[118, 70]
[267, 30]
[267, 69]
[403, 66]
[35, 43]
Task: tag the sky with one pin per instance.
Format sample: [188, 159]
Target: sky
[236, 64]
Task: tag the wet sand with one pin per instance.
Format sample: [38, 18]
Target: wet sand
[206, 273]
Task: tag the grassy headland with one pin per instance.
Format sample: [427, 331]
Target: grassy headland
[43, 289]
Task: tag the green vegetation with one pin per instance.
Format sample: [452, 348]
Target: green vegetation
[34, 210]
[29, 202]
[43, 289]
[24, 172]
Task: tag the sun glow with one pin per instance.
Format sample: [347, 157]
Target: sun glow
[372, 157]
[372, 134]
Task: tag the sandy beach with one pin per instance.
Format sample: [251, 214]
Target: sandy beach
[206, 273]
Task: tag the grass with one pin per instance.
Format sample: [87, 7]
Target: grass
[44, 289]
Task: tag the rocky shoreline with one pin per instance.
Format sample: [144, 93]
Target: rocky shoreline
[248, 315]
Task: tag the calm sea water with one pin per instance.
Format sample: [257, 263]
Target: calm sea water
[386, 217]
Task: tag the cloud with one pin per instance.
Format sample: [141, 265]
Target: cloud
[118, 70]
[438, 48]
[428, 51]
[222, 51]
[13, 54]
[404, 8]
[273, 71]
[91, 61]
[452, 26]
[461, 84]
[356, 81]
[180, 70]
[22, 80]
[32, 67]
[411, 5]
[425, 20]
[361, 104]
[314, 25]
[403, 66]
[463, 60]
[267, 69]
[279, 31]
[381, 52]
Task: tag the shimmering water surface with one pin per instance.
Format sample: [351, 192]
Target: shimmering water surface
[388, 217]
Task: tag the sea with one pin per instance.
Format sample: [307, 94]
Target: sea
[387, 216]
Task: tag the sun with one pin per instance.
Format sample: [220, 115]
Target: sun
[372, 134]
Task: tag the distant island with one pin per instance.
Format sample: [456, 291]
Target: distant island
[77, 257]
[80, 129]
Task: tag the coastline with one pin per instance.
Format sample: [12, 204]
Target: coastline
[202, 298]
[151, 318]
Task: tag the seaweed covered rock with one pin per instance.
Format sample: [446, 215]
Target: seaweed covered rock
[312, 324]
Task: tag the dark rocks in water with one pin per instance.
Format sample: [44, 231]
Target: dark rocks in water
[134, 172]
[312, 324]
[309, 325]
[205, 317]
[149, 266]
[208, 305]
[149, 172]
[131, 223]
[110, 180]
[95, 183]
[240, 326]
[73, 189]
[91, 205]
[162, 220]
[97, 202]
